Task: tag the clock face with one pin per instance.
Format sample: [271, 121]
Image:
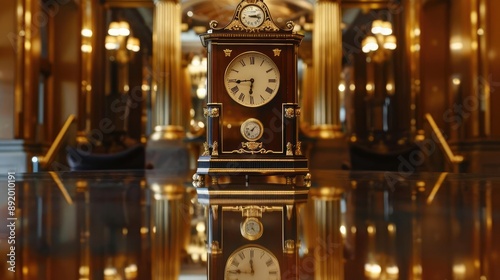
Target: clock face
[251, 228]
[252, 79]
[252, 262]
[252, 16]
[252, 129]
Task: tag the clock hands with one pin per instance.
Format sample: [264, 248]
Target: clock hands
[251, 267]
[238, 271]
[241, 81]
[251, 84]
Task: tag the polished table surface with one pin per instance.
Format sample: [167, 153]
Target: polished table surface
[148, 225]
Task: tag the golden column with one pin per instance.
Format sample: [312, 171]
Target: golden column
[167, 94]
[330, 150]
[412, 52]
[165, 149]
[324, 241]
[327, 60]
[169, 219]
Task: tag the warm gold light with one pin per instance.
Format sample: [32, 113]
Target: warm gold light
[86, 48]
[372, 270]
[133, 44]
[121, 28]
[369, 44]
[386, 28]
[119, 39]
[382, 41]
[111, 43]
[390, 42]
[377, 26]
[86, 32]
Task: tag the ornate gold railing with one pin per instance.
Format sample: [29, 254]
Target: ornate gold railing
[42, 162]
[454, 160]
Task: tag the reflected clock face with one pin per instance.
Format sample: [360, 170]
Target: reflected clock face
[252, 79]
[252, 262]
[252, 129]
[252, 16]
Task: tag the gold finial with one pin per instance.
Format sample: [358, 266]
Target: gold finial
[298, 148]
[289, 147]
[215, 151]
[206, 150]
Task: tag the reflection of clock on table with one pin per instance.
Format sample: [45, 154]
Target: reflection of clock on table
[252, 131]
[252, 262]
[252, 228]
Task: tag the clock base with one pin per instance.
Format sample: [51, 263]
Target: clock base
[253, 166]
[263, 194]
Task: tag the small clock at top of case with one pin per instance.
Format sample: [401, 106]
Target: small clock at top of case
[252, 79]
[252, 16]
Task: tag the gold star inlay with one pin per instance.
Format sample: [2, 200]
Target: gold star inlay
[228, 52]
[277, 52]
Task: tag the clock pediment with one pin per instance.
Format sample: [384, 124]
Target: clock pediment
[252, 16]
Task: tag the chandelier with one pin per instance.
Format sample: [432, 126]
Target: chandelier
[120, 42]
[381, 42]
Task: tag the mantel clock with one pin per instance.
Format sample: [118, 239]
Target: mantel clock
[252, 131]
[252, 108]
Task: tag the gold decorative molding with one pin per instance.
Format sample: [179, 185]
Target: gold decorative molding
[289, 211]
[289, 149]
[228, 52]
[298, 148]
[211, 112]
[267, 25]
[214, 248]
[289, 113]
[215, 149]
[252, 148]
[289, 247]
[206, 149]
[198, 181]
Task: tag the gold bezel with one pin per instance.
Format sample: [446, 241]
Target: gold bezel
[258, 7]
[265, 57]
[252, 120]
[247, 235]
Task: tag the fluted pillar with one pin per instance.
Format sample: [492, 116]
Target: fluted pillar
[165, 149]
[167, 74]
[168, 219]
[323, 238]
[327, 63]
[412, 24]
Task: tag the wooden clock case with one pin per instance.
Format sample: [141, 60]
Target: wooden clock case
[226, 151]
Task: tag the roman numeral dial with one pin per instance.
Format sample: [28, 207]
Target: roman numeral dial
[252, 262]
[252, 79]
